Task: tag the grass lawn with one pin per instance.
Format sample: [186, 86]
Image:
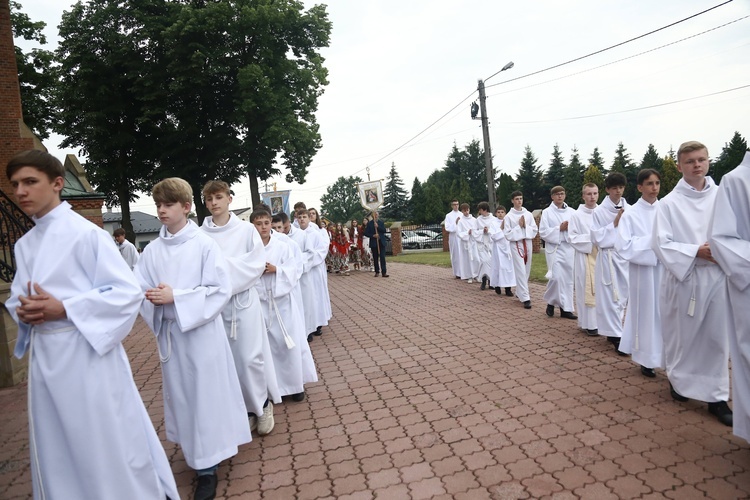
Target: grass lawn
[443, 259]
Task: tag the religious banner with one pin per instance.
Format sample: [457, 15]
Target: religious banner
[370, 194]
[277, 200]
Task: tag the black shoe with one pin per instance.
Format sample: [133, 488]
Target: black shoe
[206, 487]
[484, 283]
[722, 411]
[300, 396]
[458, 277]
[377, 274]
[592, 332]
[318, 332]
[508, 292]
[385, 275]
[568, 315]
[677, 396]
[648, 372]
[527, 304]
[550, 310]
[621, 353]
[309, 337]
[498, 290]
[614, 340]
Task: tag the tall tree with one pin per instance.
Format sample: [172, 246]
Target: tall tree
[594, 175]
[529, 181]
[340, 203]
[395, 197]
[244, 81]
[505, 187]
[556, 171]
[417, 203]
[598, 161]
[111, 92]
[731, 155]
[623, 164]
[465, 169]
[652, 159]
[573, 179]
[670, 176]
[35, 73]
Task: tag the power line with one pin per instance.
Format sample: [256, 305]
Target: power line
[632, 109]
[542, 71]
[616, 61]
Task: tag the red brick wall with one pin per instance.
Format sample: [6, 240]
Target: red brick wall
[11, 141]
[90, 208]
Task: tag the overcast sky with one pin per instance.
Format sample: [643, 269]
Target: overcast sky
[397, 66]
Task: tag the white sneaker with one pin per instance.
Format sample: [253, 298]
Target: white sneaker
[470, 281]
[265, 421]
[253, 422]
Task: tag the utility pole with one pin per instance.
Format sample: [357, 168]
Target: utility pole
[487, 149]
[491, 195]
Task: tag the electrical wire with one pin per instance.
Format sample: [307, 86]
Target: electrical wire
[632, 109]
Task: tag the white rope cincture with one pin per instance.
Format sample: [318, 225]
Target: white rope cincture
[166, 358]
[287, 339]
[32, 433]
[637, 301]
[691, 305]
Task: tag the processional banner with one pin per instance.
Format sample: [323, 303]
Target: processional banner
[277, 200]
[370, 194]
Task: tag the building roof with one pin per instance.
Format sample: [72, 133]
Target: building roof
[142, 222]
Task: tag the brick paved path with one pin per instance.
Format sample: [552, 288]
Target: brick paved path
[425, 395]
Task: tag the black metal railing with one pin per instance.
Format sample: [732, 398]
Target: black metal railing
[13, 224]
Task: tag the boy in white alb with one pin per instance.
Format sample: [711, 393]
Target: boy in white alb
[611, 273]
[501, 271]
[187, 285]
[75, 300]
[486, 226]
[695, 312]
[281, 306]
[520, 230]
[729, 241]
[468, 257]
[127, 249]
[641, 336]
[243, 317]
[560, 255]
[450, 223]
[314, 288]
[579, 231]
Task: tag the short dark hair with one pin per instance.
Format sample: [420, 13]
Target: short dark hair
[645, 173]
[483, 205]
[501, 207]
[260, 213]
[615, 179]
[276, 218]
[118, 232]
[515, 193]
[299, 204]
[464, 206]
[284, 217]
[40, 160]
[263, 206]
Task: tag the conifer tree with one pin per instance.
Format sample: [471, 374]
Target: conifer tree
[417, 203]
[625, 166]
[506, 186]
[529, 181]
[731, 155]
[652, 159]
[597, 160]
[669, 176]
[556, 171]
[573, 180]
[395, 198]
[594, 175]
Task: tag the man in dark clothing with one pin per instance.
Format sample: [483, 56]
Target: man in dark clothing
[375, 230]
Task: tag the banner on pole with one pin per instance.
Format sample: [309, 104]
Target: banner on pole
[370, 194]
[277, 200]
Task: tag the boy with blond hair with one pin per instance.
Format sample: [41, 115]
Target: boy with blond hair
[187, 285]
[695, 313]
[579, 230]
[521, 229]
[243, 318]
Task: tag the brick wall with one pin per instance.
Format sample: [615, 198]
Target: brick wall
[90, 208]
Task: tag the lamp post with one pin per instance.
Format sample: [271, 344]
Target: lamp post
[491, 196]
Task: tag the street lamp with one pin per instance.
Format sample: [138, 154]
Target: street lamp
[491, 197]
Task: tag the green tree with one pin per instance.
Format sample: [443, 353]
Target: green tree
[110, 92]
[670, 176]
[731, 155]
[417, 203]
[395, 197]
[466, 172]
[35, 73]
[506, 186]
[623, 164]
[573, 180]
[597, 160]
[652, 159]
[340, 203]
[594, 175]
[530, 183]
[556, 171]
[244, 81]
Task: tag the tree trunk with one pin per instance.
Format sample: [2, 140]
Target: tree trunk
[254, 192]
[123, 195]
[200, 209]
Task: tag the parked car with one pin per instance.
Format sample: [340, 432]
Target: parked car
[410, 239]
[434, 237]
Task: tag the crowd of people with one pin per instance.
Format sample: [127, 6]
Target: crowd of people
[664, 281]
[234, 306]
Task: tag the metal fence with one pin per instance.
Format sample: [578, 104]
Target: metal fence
[422, 237]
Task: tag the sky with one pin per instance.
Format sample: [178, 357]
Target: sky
[397, 68]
